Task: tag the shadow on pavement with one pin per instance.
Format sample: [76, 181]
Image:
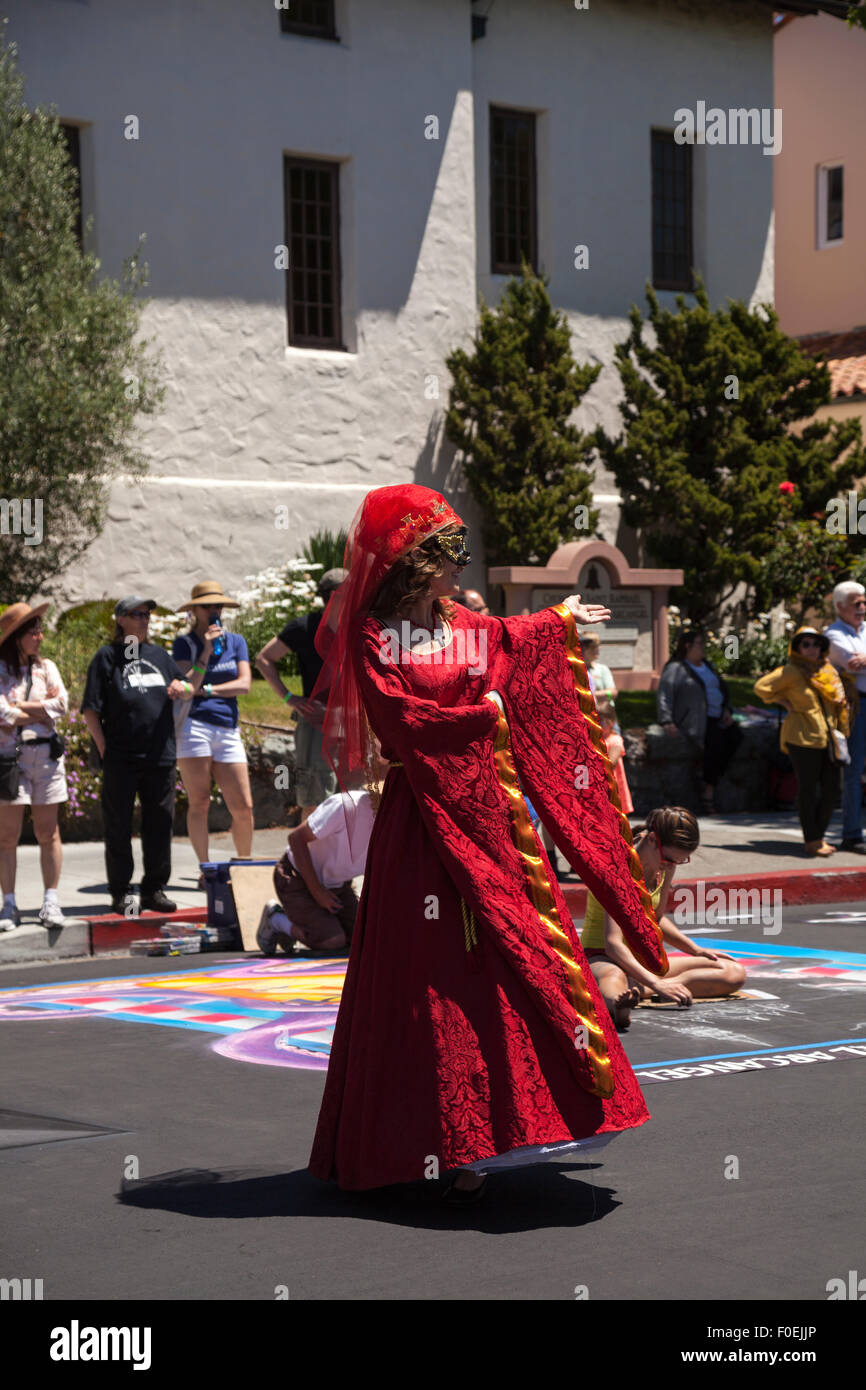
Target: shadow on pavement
[537, 1197]
[785, 848]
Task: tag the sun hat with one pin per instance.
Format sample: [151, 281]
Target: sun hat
[16, 615]
[208, 592]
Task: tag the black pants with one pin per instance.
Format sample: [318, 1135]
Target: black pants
[817, 788]
[720, 745]
[155, 787]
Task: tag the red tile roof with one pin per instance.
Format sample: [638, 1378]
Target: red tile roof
[845, 354]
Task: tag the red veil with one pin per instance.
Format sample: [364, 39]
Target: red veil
[388, 523]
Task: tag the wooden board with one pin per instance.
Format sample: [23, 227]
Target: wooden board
[252, 887]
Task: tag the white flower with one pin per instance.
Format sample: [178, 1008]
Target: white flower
[672, 608]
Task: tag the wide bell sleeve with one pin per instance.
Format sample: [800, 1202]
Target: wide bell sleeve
[561, 759]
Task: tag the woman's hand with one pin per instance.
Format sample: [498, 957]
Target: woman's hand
[586, 612]
[210, 636]
[178, 690]
[673, 991]
[711, 955]
[34, 708]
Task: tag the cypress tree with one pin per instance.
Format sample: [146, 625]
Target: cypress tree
[509, 415]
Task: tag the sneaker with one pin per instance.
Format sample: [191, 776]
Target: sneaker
[854, 846]
[157, 902]
[269, 937]
[10, 918]
[50, 915]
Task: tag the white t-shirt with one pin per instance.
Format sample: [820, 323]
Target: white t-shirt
[337, 855]
[847, 641]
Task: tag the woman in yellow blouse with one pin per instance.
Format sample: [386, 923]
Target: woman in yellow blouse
[808, 687]
[669, 837]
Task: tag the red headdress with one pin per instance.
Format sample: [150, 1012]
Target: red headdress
[388, 523]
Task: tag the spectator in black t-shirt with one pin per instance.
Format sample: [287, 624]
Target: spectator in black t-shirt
[127, 707]
[315, 778]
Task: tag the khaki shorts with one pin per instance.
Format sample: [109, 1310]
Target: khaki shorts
[315, 779]
[41, 782]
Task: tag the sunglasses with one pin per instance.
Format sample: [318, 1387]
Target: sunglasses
[663, 857]
[139, 613]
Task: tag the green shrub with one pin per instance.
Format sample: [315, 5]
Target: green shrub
[326, 549]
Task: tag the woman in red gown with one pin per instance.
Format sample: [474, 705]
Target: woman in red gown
[471, 1034]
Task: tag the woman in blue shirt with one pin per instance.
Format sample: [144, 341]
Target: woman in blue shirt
[209, 743]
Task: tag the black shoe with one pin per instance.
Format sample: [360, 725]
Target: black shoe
[854, 846]
[157, 902]
[127, 906]
[462, 1196]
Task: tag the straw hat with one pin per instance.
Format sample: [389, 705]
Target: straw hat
[16, 615]
[208, 592]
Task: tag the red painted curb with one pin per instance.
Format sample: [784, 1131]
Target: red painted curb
[111, 932]
[797, 885]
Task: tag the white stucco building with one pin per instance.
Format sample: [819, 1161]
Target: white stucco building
[396, 105]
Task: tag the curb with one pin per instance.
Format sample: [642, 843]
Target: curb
[111, 932]
[85, 937]
[93, 936]
[798, 886]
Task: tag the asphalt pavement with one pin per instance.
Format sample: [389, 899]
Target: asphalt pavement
[140, 1162]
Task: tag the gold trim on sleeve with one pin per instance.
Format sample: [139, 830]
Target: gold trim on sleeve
[588, 1034]
[586, 700]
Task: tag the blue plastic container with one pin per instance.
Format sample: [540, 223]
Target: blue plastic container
[221, 910]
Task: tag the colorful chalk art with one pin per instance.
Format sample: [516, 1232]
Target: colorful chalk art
[281, 1012]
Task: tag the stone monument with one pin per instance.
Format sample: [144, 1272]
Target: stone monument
[635, 641]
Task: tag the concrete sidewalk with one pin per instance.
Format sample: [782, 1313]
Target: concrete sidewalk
[765, 849]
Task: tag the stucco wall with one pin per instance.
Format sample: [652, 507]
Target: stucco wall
[249, 424]
[821, 85]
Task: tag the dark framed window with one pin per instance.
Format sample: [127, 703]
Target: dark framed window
[72, 136]
[671, 213]
[315, 18]
[830, 199]
[513, 231]
[312, 193]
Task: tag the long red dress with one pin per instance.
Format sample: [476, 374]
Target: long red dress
[470, 1024]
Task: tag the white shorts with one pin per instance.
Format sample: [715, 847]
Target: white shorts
[201, 740]
[41, 782]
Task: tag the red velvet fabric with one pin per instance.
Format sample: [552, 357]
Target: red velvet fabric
[459, 1054]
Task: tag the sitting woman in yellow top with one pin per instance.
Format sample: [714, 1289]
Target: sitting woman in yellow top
[667, 839]
[810, 689]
